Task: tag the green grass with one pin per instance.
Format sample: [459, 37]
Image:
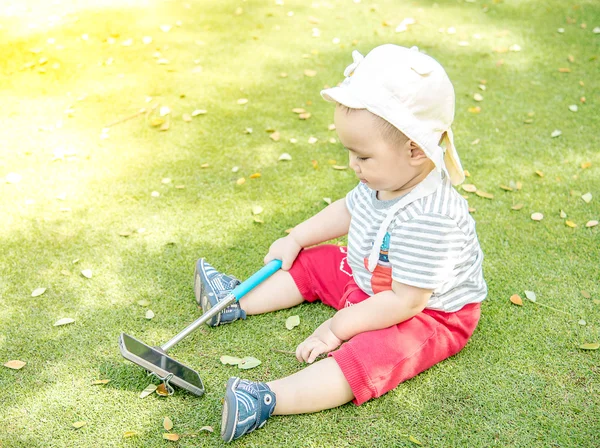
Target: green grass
[521, 381]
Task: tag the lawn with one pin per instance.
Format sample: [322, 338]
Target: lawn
[140, 135]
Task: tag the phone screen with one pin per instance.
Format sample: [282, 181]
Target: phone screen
[153, 356]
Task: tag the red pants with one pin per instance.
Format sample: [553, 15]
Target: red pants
[375, 362]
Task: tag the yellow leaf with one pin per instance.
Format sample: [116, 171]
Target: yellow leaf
[516, 299]
[275, 136]
[156, 121]
[517, 207]
[242, 101]
[304, 116]
[15, 364]
[590, 346]
[96, 382]
[128, 434]
[467, 174]
[586, 294]
[257, 210]
[87, 273]
[585, 165]
[240, 181]
[474, 109]
[78, 425]
[339, 167]
[564, 70]
[485, 195]
[537, 216]
[470, 188]
[292, 322]
[570, 224]
[171, 436]
[310, 73]
[415, 441]
[168, 424]
[204, 165]
[298, 110]
[315, 164]
[587, 198]
[186, 117]
[519, 185]
[255, 176]
[162, 390]
[506, 188]
[539, 173]
[472, 210]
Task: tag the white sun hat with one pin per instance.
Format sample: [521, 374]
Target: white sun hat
[410, 90]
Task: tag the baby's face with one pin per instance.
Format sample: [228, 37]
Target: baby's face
[382, 165]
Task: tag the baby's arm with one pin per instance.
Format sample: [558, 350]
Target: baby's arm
[331, 222]
[381, 310]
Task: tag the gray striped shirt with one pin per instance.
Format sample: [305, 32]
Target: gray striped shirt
[431, 243]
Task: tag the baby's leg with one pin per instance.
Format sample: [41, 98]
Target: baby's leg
[276, 293]
[319, 386]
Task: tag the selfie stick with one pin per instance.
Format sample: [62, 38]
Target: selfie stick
[168, 370]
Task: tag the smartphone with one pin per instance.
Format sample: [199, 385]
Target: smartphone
[153, 360]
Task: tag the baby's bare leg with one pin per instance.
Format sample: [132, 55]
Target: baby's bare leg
[321, 385]
[276, 293]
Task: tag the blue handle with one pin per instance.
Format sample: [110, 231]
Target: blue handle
[256, 279]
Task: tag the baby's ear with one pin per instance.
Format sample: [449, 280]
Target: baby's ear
[416, 153]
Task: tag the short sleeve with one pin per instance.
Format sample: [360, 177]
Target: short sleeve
[425, 250]
[352, 197]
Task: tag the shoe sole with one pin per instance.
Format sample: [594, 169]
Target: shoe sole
[202, 298]
[230, 411]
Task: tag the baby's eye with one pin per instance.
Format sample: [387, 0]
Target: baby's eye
[362, 158]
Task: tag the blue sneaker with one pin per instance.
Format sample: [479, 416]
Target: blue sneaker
[247, 407]
[210, 287]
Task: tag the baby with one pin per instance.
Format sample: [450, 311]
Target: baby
[407, 288]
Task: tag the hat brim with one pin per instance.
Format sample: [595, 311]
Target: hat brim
[342, 96]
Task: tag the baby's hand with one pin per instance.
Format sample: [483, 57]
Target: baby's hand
[322, 341]
[285, 249]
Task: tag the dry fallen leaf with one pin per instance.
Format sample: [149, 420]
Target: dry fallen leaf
[517, 207]
[592, 223]
[257, 210]
[15, 364]
[590, 346]
[586, 294]
[162, 390]
[275, 136]
[38, 292]
[242, 101]
[240, 181]
[570, 224]
[556, 133]
[539, 173]
[470, 188]
[285, 156]
[207, 428]
[310, 73]
[298, 110]
[171, 436]
[230, 360]
[148, 390]
[168, 424]
[186, 117]
[255, 176]
[97, 382]
[248, 362]
[149, 314]
[506, 188]
[516, 299]
[585, 165]
[87, 273]
[339, 167]
[485, 195]
[312, 140]
[292, 322]
[537, 216]
[64, 321]
[474, 110]
[128, 434]
[78, 425]
[587, 198]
